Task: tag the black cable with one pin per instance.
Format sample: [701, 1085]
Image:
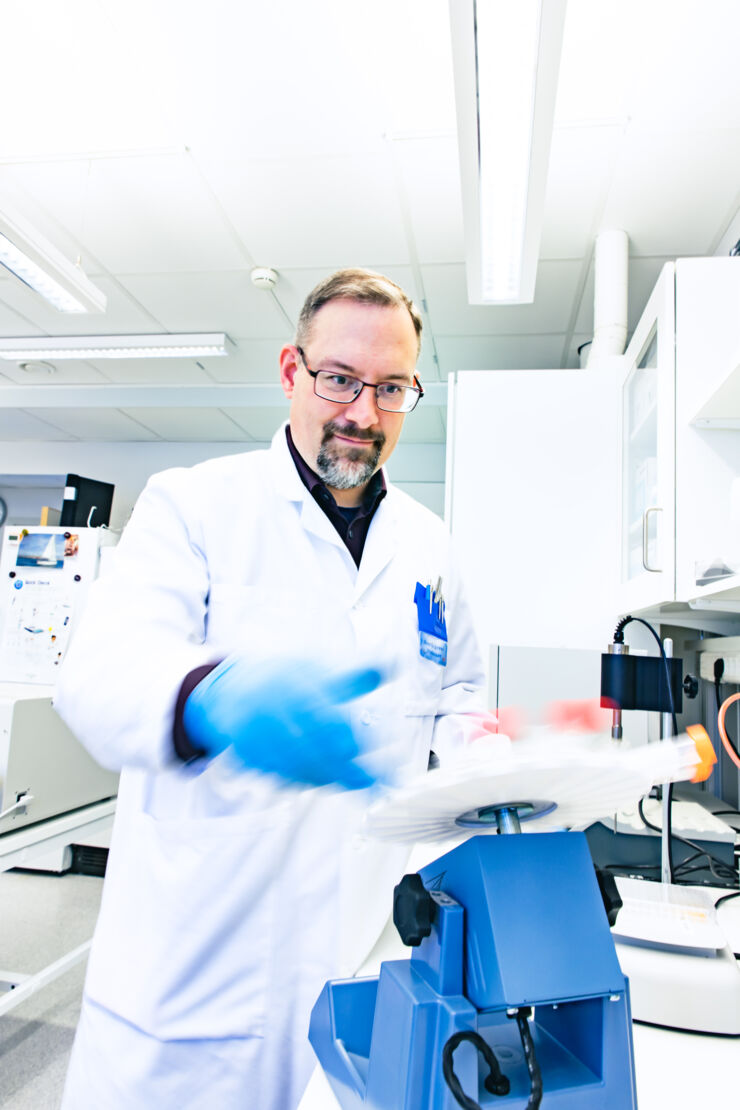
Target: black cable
[630, 867]
[619, 639]
[495, 1082]
[698, 850]
[721, 877]
[726, 898]
[719, 670]
[535, 1075]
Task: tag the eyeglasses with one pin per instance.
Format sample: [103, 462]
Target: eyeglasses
[344, 389]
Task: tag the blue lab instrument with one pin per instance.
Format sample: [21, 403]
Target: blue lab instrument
[513, 996]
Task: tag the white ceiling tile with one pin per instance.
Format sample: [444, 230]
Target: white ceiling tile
[154, 371]
[137, 214]
[408, 42]
[597, 59]
[96, 424]
[122, 315]
[17, 424]
[447, 297]
[581, 165]
[674, 191]
[327, 212]
[225, 301]
[187, 424]
[500, 352]
[72, 372]
[259, 421]
[426, 367]
[266, 79]
[655, 63]
[84, 76]
[12, 322]
[255, 360]
[430, 172]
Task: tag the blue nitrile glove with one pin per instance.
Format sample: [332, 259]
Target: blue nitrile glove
[282, 718]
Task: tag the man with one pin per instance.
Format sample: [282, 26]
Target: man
[263, 647]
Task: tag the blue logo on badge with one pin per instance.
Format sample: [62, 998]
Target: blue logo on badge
[17, 585]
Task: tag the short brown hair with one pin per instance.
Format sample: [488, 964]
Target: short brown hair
[364, 286]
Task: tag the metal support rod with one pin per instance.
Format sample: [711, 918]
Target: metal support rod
[508, 820]
[29, 984]
[666, 731]
[617, 649]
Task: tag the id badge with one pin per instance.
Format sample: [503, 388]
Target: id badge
[430, 608]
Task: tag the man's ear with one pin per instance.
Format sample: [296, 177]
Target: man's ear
[288, 366]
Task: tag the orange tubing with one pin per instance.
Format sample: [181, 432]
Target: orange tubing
[721, 722]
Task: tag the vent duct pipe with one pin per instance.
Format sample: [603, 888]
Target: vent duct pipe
[611, 263]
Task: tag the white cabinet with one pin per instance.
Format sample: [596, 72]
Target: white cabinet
[680, 441]
[575, 496]
[708, 430]
[647, 455]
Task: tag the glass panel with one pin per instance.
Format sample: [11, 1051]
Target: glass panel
[640, 474]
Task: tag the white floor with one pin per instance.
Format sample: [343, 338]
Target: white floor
[42, 916]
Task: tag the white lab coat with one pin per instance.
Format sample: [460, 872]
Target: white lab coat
[229, 899]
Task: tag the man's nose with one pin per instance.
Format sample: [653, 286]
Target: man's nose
[363, 411]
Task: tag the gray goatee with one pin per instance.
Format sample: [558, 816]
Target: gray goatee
[343, 467]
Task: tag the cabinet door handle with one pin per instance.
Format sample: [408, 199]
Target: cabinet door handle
[645, 520]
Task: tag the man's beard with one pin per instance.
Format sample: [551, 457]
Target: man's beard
[344, 467]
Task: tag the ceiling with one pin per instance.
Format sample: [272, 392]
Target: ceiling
[172, 146]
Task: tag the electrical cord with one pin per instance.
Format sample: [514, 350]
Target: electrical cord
[533, 1067]
[619, 639]
[22, 801]
[726, 898]
[719, 670]
[727, 813]
[729, 748]
[699, 852]
[495, 1082]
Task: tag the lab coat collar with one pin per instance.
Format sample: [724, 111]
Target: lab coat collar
[382, 538]
[381, 543]
[288, 484]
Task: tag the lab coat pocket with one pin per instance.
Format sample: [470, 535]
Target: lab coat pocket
[190, 958]
[424, 688]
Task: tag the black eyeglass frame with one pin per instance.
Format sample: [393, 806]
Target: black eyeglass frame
[417, 389]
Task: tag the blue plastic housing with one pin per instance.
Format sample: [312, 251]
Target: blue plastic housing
[520, 921]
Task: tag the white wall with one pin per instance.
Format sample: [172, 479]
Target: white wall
[417, 468]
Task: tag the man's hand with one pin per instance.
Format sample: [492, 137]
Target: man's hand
[284, 718]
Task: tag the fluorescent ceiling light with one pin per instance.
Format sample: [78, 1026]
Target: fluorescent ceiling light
[38, 264]
[203, 345]
[506, 57]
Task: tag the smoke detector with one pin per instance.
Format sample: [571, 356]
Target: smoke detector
[263, 277]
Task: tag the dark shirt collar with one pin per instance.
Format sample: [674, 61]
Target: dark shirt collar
[374, 494]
